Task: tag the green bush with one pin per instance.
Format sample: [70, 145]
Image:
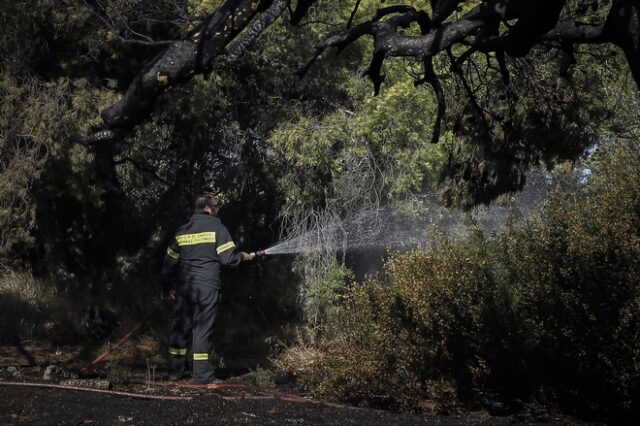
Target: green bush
[574, 277]
[411, 337]
[323, 280]
[547, 310]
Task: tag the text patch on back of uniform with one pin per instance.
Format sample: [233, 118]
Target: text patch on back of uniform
[193, 239]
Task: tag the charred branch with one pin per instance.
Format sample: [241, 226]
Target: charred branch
[623, 29]
[431, 78]
[353, 13]
[477, 109]
[302, 7]
[442, 10]
[255, 29]
[507, 28]
[535, 22]
[176, 64]
[338, 41]
[540, 17]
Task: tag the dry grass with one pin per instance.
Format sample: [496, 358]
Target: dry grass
[304, 358]
[30, 308]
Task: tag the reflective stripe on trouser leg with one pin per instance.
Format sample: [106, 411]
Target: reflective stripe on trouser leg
[206, 302]
[180, 332]
[177, 351]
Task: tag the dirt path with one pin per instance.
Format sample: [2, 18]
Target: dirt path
[236, 402]
[41, 406]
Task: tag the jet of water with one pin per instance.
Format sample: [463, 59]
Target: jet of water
[407, 225]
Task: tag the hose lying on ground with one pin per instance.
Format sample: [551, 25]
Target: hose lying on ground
[104, 391]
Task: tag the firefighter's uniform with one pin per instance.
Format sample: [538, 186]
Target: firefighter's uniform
[194, 257]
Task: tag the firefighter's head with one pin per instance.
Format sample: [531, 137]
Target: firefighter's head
[207, 203]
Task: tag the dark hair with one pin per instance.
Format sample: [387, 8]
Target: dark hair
[204, 200]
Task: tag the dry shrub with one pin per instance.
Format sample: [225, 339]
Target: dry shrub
[575, 279]
[547, 310]
[30, 308]
[410, 337]
[304, 359]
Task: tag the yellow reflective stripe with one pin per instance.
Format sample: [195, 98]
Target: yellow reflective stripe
[226, 246]
[172, 254]
[193, 239]
[200, 356]
[178, 351]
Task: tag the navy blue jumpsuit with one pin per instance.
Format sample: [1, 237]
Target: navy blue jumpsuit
[194, 258]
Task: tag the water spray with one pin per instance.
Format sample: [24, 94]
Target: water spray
[408, 225]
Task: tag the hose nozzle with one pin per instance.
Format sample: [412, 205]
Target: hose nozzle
[257, 253]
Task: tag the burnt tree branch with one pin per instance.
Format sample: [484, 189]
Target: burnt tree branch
[508, 28]
[177, 63]
[256, 28]
[536, 21]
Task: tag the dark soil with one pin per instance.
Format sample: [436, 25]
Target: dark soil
[58, 407]
[236, 401]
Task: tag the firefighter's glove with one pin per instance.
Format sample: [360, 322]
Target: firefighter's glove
[168, 293]
[246, 257]
[167, 284]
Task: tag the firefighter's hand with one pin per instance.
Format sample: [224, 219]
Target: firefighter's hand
[170, 294]
[245, 256]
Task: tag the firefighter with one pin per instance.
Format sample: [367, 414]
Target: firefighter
[194, 258]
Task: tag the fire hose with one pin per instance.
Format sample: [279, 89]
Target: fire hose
[103, 391]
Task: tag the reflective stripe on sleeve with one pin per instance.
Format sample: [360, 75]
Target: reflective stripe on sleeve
[226, 246]
[172, 254]
[200, 356]
[178, 351]
[193, 239]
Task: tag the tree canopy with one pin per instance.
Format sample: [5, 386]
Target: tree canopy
[253, 131]
[421, 31]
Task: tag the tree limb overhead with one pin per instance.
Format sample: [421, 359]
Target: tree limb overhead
[506, 28]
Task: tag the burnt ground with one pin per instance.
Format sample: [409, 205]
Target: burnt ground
[237, 401]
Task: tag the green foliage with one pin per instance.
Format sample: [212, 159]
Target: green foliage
[388, 131]
[544, 116]
[549, 309]
[263, 378]
[44, 100]
[324, 281]
[342, 149]
[574, 277]
[35, 117]
[115, 371]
